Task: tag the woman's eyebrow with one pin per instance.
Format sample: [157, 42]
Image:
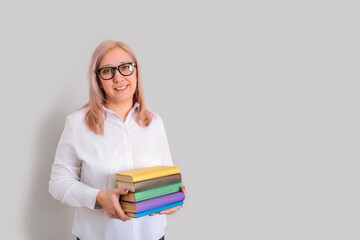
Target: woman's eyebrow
[110, 64]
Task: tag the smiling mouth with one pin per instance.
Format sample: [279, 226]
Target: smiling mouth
[121, 88]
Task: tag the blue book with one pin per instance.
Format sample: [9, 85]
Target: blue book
[155, 210]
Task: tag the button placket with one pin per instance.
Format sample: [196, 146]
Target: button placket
[128, 147]
[135, 223]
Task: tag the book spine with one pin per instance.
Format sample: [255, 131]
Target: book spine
[157, 192]
[155, 210]
[159, 202]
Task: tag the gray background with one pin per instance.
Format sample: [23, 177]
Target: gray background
[259, 100]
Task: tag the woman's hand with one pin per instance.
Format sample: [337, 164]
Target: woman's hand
[171, 210]
[109, 200]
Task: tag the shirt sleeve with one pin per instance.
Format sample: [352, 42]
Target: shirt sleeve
[65, 184]
[166, 154]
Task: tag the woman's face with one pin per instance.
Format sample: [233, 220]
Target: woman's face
[113, 58]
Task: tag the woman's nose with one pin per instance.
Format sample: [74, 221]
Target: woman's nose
[117, 77]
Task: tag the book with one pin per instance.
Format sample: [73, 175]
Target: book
[147, 205]
[151, 193]
[149, 184]
[146, 173]
[155, 210]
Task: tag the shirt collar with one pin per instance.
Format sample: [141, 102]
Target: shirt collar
[135, 107]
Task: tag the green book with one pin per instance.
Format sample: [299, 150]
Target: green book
[151, 193]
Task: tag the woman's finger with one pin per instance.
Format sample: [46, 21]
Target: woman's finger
[183, 190]
[120, 213]
[120, 191]
[112, 214]
[123, 217]
[170, 211]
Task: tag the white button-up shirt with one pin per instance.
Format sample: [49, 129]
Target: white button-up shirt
[86, 163]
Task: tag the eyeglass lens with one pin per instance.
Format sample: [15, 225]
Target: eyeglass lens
[125, 69]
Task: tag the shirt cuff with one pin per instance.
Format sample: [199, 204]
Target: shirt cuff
[90, 197]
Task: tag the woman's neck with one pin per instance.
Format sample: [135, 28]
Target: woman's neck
[122, 109]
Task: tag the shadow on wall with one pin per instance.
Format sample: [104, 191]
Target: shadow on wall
[45, 217]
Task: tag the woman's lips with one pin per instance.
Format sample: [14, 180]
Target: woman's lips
[121, 88]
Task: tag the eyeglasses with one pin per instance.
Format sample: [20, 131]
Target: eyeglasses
[125, 69]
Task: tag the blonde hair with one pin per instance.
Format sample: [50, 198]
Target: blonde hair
[96, 114]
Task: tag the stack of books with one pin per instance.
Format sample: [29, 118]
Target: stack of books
[151, 190]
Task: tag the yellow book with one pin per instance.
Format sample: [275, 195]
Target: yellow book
[143, 174]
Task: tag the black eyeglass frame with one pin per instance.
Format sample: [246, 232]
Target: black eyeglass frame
[118, 68]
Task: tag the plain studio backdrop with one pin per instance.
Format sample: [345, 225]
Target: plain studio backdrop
[260, 101]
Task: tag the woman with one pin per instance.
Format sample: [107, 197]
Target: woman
[113, 133]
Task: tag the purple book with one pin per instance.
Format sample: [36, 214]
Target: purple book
[147, 205]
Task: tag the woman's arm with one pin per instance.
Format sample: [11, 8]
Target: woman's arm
[64, 184]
